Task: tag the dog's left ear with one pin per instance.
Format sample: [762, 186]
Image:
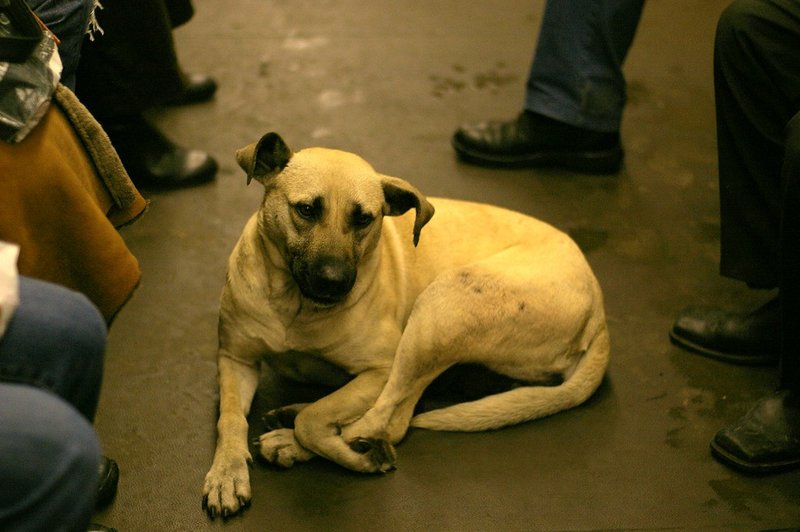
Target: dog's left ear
[264, 158]
[401, 196]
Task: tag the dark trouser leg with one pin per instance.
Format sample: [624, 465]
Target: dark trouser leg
[757, 89]
[758, 94]
[132, 66]
[790, 261]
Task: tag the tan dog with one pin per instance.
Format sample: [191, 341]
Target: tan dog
[327, 284]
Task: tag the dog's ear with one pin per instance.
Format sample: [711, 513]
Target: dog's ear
[264, 158]
[401, 196]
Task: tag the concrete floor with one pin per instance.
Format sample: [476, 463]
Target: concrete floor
[391, 81]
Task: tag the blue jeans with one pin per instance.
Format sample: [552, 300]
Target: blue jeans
[576, 76]
[51, 364]
[49, 457]
[56, 341]
[68, 20]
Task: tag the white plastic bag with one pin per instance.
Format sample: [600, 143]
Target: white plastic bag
[9, 283]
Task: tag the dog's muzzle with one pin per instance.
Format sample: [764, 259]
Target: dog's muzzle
[326, 280]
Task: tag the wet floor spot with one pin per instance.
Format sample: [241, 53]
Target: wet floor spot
[460, 79]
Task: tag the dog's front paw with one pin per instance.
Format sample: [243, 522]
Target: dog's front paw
[281, 448]
[227, 486]
[379, 453]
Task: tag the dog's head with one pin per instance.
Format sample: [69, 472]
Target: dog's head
[323, 209]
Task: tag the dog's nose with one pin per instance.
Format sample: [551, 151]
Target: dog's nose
[331, 279]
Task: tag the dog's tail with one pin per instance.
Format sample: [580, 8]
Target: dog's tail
[527, 402]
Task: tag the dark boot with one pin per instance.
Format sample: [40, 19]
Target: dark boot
[533, 140]
[747, 338]
[197, 88]
[766, 439]
[152, 160]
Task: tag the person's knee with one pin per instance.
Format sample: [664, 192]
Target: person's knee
[83, 325]
[49, 456]
[64, 318]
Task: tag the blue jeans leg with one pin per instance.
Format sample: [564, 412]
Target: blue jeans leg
[576, 76]
[55, 340]
[68, 20]
[49, 456]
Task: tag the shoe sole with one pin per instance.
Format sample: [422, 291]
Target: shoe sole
[592, 162]
[726, 457]
[731, 358]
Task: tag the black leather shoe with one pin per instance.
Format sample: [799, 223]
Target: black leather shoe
[766, 439]
[153, 160]
[108, 478]
[533, 140]
[197, 88]
[747, 338]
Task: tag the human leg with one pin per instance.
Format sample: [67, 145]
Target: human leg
[575, 94]
[48, 462]
[56, 341]
[576, 75]
[790, 262]
[132, 67]
[767, 438]
[757, 89]
[68, 20]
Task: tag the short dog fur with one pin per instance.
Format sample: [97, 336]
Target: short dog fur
[333, 280]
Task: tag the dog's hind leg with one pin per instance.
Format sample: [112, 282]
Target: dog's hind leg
[443, 329]
[525, 326]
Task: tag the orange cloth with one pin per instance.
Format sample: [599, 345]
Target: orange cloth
[63, 191]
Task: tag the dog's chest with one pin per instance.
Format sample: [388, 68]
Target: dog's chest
[308, 368]
[352, 343]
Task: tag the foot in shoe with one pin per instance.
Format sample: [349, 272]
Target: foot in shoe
[153, 160]
[533, 140]
[748, 338]
[766, 439]
[108, 478]
[197, 88]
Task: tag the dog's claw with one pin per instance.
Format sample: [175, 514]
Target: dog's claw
[379, 451]
[362, 445]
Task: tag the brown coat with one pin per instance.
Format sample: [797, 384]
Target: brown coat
[63, 193]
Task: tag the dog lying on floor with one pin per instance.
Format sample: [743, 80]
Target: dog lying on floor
[332, 281]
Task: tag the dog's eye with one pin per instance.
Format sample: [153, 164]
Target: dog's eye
[305, 210]
[362, 220]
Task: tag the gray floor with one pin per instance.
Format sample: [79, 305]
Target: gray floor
[390, 81]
